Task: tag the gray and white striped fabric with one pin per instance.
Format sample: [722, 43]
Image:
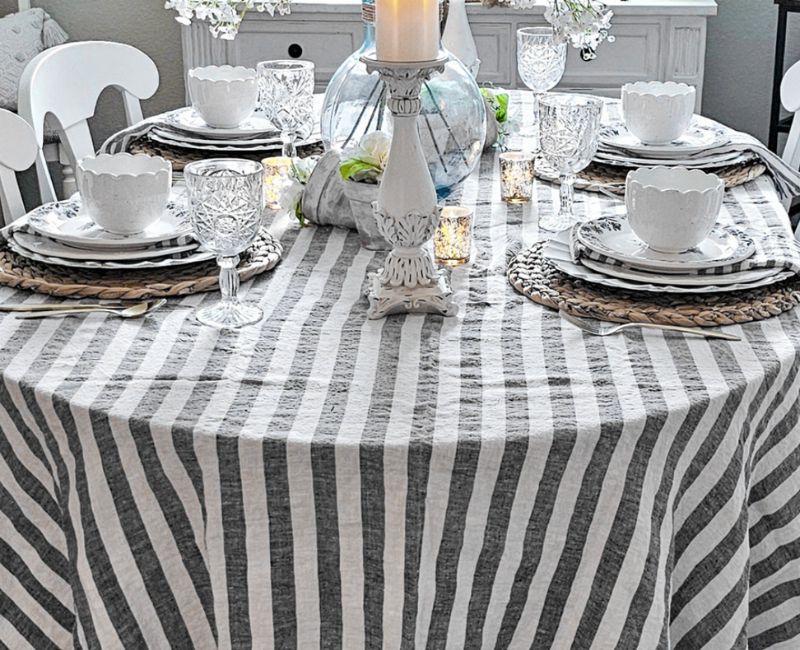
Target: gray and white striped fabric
[494, 480]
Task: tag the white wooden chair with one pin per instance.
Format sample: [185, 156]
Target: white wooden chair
[18, 151]
[66, 81]
[790, 98]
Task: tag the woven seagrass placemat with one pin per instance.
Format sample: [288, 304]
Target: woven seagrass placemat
[598, 177]
[66, 282]
[180, 157]
[533, 276]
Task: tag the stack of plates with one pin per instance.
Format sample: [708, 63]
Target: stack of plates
[632, 265]
[63, 234]
[185, 128]
[702, 146]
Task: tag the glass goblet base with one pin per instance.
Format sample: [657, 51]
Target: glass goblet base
[229, 315]
[556, 222]
[565, 216]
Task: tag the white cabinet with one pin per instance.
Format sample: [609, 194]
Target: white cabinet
[655, 39]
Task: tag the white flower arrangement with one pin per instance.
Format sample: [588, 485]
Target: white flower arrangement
[367, 163]
[223, 16]
[584, 24]
[291, 194]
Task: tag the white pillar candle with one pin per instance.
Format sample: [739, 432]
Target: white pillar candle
[407, 30]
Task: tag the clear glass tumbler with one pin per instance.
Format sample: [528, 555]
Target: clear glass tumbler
[570, 128]
[287, 99]
[541, 60]
[226, 201]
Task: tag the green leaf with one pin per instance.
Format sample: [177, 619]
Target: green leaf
[498, 102]
[502, 110]
[352, 167]
[298, 212]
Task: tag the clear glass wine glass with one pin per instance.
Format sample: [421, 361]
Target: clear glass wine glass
[226, 199]
[570, 128]
[540, 60]
[287, 99]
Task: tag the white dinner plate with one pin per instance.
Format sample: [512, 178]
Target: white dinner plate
[209, 146]
[256, 126]
[703, 134]
[667, 279]
[557, 252]
[720, 160]
[68, 223]
[612, 237]
[187, 119]
[51, 248]
[199, 255]
[176, 136]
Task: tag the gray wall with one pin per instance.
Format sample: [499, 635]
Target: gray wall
[142, 23]
[739, 61]
[738, 68]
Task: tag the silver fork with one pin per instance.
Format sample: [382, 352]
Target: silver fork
[597, 328]
[134, 311]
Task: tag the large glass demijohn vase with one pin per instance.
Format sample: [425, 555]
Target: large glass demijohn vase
[452, 123]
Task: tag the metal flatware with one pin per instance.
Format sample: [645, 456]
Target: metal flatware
[601, 189]
[134, 311]
[50, 306]
[598, 328]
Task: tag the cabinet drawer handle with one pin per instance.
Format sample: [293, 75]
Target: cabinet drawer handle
[295, 51]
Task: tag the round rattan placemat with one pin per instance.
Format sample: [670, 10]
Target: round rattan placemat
[598, 177]
[21, 273]
[533, 276]
[180, 157]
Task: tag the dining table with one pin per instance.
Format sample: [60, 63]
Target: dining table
[494, 479]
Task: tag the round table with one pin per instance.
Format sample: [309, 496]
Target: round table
[497, 479]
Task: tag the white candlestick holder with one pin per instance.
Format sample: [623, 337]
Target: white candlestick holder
[406, 211]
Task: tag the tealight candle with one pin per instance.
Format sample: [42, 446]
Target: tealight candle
[407, 30]
[516, 176]
[452, 242]
[276, 173]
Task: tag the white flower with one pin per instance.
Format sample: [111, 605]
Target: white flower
[303, 168]
[290, 195]
[223, 16]
[374, 148]
[584, 24]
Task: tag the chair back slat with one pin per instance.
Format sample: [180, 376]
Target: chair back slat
[66, 81]
[18, 150]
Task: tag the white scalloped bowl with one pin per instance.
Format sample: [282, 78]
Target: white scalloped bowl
[122, 193]
[224, 96]
[672, 209]
[658, 112]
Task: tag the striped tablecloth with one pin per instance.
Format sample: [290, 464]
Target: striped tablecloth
[493, 480]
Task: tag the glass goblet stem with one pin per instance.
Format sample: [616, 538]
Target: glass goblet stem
[560, 219]
[229, 279]
[566, 195]
[289, 149]
[535, 130]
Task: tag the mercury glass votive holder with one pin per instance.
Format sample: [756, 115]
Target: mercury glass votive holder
[516, 176]
[452, 241]
[276, 171]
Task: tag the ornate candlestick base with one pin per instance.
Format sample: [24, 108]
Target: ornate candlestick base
[406, 211]
[385, 300]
